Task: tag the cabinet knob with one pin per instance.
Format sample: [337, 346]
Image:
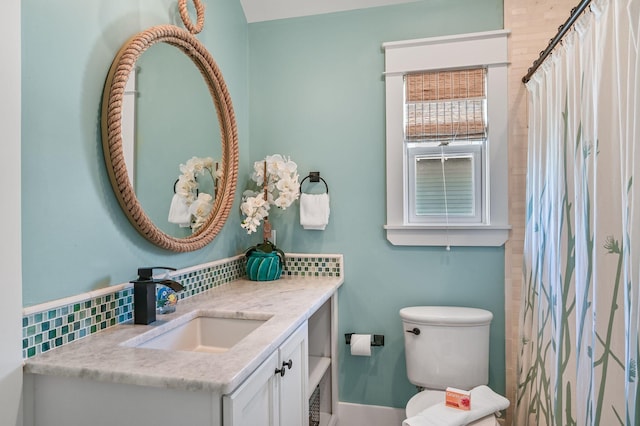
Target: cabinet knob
[415, 331]
[283, 370]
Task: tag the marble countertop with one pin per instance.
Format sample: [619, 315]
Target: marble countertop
[103, 357]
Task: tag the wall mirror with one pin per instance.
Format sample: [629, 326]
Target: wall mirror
[170, 118]
[165, 135]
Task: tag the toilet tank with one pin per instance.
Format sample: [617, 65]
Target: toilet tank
[446, 346]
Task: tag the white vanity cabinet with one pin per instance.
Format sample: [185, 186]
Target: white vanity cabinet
[295, 383]
[56, 401]
[307, 393]
[275, 393]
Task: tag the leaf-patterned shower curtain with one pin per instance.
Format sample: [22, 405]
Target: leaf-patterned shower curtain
[578, 360]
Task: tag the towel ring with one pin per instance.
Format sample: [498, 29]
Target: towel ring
[178, 180]
[215, 182]
[314, 177]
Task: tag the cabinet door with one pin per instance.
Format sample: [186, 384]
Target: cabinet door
[254, 403]
[292, 386]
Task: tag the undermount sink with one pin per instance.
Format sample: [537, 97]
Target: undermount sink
[205, 332]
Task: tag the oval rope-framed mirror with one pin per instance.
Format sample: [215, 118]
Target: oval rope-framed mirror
[111, 123]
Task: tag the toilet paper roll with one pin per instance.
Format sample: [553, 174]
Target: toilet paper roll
[361, 344]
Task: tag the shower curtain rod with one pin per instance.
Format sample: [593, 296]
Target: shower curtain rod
[562, 29]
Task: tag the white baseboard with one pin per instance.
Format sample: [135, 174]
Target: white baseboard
[369, 415]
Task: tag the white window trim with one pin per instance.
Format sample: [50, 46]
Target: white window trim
[487, 49]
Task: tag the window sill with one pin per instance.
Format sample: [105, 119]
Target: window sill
[451, 235]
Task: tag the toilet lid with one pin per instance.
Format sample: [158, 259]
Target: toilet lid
[427, 398]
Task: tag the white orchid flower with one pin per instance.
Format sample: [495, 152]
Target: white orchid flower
[187, 187]
[282, 189]
[208, 163]
[201, 207]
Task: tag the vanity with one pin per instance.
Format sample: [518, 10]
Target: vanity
[244, 353]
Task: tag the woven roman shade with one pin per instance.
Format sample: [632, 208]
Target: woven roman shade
[445, 105]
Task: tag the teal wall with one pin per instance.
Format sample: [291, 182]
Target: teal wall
[317, 94]
[75, 236]
[311, 88]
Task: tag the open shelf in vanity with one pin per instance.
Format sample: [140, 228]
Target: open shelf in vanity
[323, 379]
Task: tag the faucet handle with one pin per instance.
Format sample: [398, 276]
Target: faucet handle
[146, 273]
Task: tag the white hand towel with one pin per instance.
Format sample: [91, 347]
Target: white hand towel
[484, 402]
[179, 212]
[314, 211]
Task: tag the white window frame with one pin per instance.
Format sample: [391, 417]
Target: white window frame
[486, 49]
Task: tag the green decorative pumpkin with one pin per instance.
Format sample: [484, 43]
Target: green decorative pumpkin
[264, 262]
[263, 266]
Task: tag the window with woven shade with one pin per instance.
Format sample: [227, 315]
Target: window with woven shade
[446, 140]
[445, 129]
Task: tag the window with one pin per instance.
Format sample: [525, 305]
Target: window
[446, 140]
[445, 132]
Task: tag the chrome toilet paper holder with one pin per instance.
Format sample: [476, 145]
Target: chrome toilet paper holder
[376, 339]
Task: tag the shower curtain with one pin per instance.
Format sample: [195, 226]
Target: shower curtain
[579, 349]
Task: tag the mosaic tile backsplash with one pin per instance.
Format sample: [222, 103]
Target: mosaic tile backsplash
[58, 325]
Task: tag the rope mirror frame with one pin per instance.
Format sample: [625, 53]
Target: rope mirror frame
[111, 128]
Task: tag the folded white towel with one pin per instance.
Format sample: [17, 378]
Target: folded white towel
[179, 212]
[314, 211]
[484, 402]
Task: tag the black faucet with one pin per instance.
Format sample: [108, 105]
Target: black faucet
[144, 294]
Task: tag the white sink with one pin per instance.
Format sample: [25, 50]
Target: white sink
[204, 332]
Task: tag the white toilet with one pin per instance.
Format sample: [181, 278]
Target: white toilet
[445, 346]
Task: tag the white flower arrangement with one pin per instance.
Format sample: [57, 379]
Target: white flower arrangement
[200, 203]
[280, 187]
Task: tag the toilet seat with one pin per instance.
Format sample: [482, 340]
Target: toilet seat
[427, 398]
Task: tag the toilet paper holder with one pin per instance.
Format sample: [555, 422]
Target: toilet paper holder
[376, 339]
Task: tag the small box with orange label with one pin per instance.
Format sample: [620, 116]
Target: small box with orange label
[457, 398]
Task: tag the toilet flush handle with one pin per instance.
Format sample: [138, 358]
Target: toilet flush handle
[415, 331]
